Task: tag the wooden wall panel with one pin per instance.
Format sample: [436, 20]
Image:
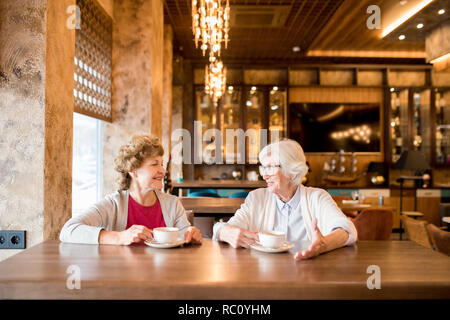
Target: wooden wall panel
[347, 95]
[303, 77]
[406, 78]
[336, 77]
[370, 78]
[440, 78]
[265, 77]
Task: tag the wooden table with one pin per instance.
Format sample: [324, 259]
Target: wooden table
[217, 271]
[211, 206]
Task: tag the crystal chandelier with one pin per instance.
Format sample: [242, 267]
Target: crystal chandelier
[210, 24]
[215, 79]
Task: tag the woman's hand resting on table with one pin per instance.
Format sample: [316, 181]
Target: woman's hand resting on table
[135, 234]
[138, 233]
[237, 237]
[192, 235]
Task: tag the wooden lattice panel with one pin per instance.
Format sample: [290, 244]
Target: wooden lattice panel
[92, 78]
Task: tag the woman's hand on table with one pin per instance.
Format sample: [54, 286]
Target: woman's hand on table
[192, 235]
[317, 246]
[237, 237]
[134, 234]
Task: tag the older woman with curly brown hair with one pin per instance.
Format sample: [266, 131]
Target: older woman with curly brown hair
[129, 215]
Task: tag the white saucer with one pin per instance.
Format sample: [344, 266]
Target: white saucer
[285, 247]
[155, 244]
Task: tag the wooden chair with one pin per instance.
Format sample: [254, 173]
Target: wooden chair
[190, 216]
[348, 213]
[417, 231]
[440, 239]
[374, 224]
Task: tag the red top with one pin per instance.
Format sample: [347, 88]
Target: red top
[150, 217]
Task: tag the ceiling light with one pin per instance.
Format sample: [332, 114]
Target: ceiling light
[210, 24]
[401, 37]
[442, 11]
[296, 49]
[392, 89]
[403, 2]
[405, 17]
[253, 88]
[420, 26]
[274, 107]
[441, 58]
[215, 79]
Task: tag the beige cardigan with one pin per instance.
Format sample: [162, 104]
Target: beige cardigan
[111, 214]
[258, 211]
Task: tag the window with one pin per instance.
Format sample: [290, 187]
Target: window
[87, 162]
[92, 78]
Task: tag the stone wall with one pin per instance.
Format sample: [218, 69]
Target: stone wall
[22, 96]
[132, 76]
[36, 107]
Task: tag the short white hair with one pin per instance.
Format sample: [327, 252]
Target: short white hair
[289, 154]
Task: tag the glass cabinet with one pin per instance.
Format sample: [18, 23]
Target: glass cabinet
[247, 117]
[420, 120]
[399, 123]
[254, 117]
[442, 132]
[206, 118]
[230, 121]
[277, 114]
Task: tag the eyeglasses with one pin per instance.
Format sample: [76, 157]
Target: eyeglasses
[269, 170]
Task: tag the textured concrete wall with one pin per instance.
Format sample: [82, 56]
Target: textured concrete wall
[36, 105]
[132, 79]
[22, 96]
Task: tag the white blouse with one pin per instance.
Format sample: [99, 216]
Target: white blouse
[259, 212]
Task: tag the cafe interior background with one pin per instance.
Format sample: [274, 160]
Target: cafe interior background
[354, 91]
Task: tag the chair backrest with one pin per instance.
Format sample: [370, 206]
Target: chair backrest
[242, 194]
[348, 213]
[208, 190]
[374, 224]
[203, 194]
[439, 238]
[190, 216]
[417, 231]
[444, 211]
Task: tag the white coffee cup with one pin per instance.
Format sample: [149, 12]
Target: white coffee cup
[165, 234]
[272, 239]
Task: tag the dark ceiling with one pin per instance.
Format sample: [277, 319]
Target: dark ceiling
[257, 36]
[265, 32]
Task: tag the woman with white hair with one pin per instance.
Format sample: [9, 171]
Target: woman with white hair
[306, 215]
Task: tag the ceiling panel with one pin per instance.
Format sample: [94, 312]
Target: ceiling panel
[309, 24]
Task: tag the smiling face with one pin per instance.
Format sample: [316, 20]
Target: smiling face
[276, 181]
[150, 174]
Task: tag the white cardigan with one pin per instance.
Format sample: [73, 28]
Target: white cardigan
[258, 212]
[111, 214]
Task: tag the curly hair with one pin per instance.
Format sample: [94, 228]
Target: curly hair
[132, 155]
